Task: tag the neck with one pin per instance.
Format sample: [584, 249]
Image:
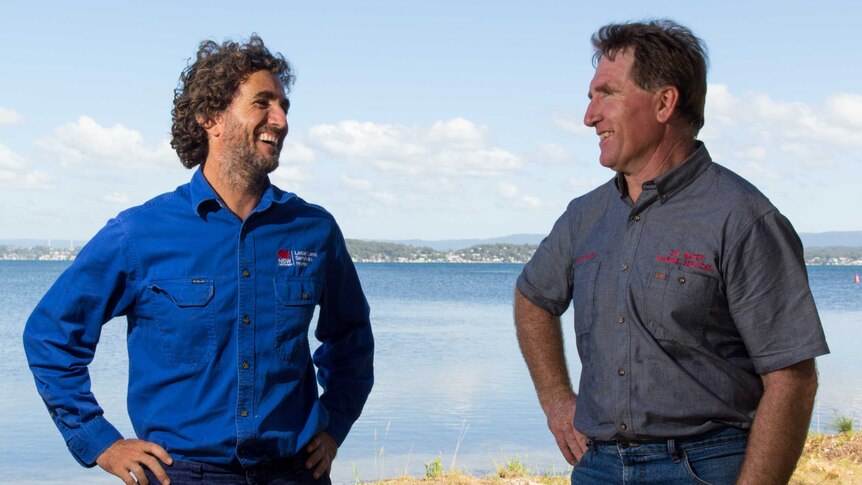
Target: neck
[240, 194]
[667, 156]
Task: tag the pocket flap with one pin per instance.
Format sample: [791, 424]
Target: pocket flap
[186, 292]
[297, 291]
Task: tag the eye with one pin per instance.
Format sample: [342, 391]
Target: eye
[261, 103]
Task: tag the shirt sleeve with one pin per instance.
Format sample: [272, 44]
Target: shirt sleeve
[346, 354]
[546, 279]
[769, 297]
[60, 340]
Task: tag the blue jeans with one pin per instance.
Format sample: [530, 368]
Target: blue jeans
[287, 471]
[711, 458]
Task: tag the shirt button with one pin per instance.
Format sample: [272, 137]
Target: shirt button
[246, 320]
[246, 273]
[681, 279]
[243, 413]
[245, 365]
[304, 295]
[623, 426]
[625, 267]
[663, 197]
[636, 217]
[621, 319]
[621, 372]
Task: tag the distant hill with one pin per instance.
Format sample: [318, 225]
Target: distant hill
[852, 239]
[452, 244]
[832, 239]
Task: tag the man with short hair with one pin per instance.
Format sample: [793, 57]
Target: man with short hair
[695, 325]
[218, 281]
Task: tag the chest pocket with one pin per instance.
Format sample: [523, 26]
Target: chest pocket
[185, 318]
[584, 295]
[678, 304]
[295, 299]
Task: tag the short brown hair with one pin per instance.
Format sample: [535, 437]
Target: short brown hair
[665, 54]
[208, 86]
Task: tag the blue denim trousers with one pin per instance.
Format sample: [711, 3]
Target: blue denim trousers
[711, 458]
[288, 471]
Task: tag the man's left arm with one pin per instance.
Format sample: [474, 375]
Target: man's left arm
[780, 425]
[345, 357]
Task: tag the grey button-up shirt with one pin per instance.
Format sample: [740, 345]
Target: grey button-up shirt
[681, 300]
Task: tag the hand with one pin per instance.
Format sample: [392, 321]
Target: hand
[561, 416]
[125, 456]
[321, 451]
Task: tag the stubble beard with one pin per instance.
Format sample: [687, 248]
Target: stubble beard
[244, 168]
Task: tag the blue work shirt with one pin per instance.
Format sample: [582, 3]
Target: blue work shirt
[218, 312]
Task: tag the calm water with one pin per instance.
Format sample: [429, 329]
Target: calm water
[449, 374]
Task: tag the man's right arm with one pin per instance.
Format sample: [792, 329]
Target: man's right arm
[540, 337]
[60, 341]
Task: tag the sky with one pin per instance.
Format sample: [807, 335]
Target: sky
[417, 119]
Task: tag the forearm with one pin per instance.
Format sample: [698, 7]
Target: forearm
[540, 337]
[781, 425]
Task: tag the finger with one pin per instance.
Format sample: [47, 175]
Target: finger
[313, 444]
[565, 450]
[314, 458]
[322, 466]
[155, 467]
[159, 453]
[140, 476]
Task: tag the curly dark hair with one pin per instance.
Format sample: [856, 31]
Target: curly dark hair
[208, 86]
[665, 54]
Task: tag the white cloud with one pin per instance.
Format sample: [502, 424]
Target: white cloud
[510, 192]
[14, 172]
[294, 151]
[85, 142]
[118, 198]
[290, 177]
[357, 183]
[10, 117]
[570, 124]
[769, 139]
[455, 148]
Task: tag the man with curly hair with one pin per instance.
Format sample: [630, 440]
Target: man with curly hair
[695, 325]
[218, 282]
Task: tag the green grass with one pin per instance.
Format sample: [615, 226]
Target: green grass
[842, 424]
[512, 468]
[434, 469]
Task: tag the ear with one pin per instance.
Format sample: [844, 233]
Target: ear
[666, 99]
[211, 125]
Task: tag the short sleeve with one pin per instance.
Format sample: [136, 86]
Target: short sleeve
[769, 297]
[546, 279]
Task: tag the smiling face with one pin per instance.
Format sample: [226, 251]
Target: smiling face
[624, 116]
[249, 134]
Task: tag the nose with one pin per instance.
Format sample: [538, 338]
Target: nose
[277, 117]
[591, 116]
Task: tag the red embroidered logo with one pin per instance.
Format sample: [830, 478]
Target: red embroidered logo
[585, 257]
[691, 260]
[285, 258]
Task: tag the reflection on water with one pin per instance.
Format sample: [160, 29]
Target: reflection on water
[448, 374]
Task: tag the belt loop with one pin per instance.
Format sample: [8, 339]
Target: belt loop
[673, 451]
[591, 444]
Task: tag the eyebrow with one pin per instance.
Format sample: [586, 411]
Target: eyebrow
[601, 88]
[272, 95]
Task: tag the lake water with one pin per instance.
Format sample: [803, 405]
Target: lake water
[450, 381]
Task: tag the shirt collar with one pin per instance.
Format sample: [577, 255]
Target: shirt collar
[669, 183]
[204, 199]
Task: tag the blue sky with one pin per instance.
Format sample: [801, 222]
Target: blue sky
[432, 120]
